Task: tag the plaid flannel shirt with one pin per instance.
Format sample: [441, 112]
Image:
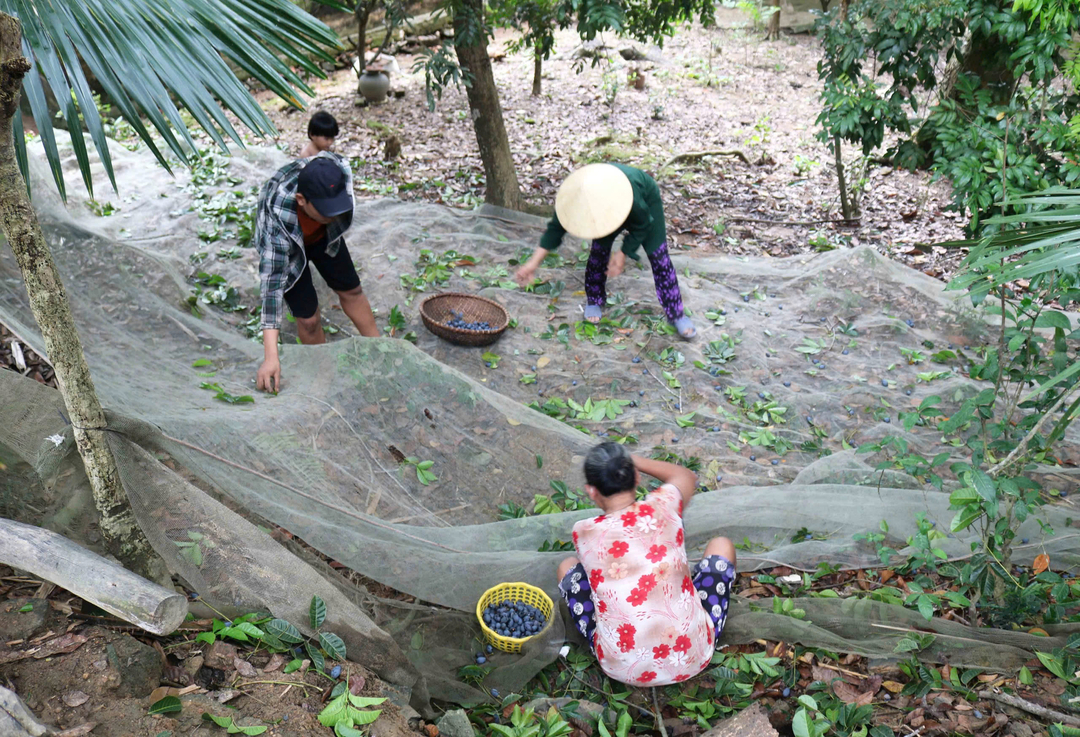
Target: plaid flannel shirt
[280, 240]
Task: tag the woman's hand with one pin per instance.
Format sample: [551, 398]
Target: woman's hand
[525, 275]
[616, 264]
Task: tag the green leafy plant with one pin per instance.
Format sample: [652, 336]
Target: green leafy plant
[232, 727]
[1064, 663]
[433, 270]
[396, 323]
[423, 470]
[525, 723]
[166, 705]
[828, 715]
[1000, 125]
[347, 711]
[193, 548]
[213, 289]
[224, 396]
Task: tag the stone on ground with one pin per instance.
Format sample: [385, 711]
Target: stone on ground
[16, 624]
[750, 722]
[455, 723]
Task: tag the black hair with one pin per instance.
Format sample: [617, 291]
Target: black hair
[322, 124]
[610, 469]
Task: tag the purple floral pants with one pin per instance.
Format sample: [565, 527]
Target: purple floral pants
[667, 283]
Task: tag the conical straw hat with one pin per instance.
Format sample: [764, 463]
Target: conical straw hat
[594, 201]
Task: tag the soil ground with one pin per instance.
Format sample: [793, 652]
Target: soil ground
[707, 89]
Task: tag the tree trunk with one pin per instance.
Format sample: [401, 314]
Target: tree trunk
[538, 62]
[362, 12]
[51, 309]
[470, 42]
[845, 205]
[773, 32]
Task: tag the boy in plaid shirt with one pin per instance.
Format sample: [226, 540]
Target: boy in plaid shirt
[303, 213]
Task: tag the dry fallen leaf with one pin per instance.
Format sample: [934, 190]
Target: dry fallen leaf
[68, 643]
[356, 684]
[74, 698]
[542, 361]
[851, 695]
[892, 686]
[1042, 563]
[162, 691]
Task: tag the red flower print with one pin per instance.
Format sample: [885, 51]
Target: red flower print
[599, 650]
[656, 553]
[688, 585]
[682, 677]
[645, 510]
[660, 652]
[628, 519]
[575, 538]
[618, 549]
[647, 582]
[598, 519]
[626, 637]
[637, 597]
[602, 607]
[680, 507]
[679, 537]
[596, 577]
[647, 676]
[682, 644]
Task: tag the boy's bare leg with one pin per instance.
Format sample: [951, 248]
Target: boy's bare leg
[354, 303]
[723, 547]
[310, 329]
[566, 566]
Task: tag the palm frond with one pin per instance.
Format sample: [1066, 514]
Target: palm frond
[153, 58]
[1042, 240]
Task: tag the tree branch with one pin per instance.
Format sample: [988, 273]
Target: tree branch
[699, 155]
[1022, 447]
[1016, 702]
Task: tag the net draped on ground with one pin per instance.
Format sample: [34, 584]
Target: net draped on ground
[321, 460]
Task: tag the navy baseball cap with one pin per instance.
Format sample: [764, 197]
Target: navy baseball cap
[322, 182]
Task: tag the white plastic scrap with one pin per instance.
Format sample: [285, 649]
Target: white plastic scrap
[57, 439]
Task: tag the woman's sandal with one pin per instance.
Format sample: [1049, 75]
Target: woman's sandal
[685, 328]
[593, 313]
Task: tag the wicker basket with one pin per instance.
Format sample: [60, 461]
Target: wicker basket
[513, 592]
[438, 309]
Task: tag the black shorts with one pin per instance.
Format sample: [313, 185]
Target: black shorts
[338, 272]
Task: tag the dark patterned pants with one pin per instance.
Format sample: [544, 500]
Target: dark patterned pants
[667, 283]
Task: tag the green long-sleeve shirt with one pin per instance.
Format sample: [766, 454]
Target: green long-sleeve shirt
[644, 225]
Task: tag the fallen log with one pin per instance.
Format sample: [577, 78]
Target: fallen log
[97, 580]
[699, 155]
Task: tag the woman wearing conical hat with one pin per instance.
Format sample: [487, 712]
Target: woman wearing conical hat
[597, 202]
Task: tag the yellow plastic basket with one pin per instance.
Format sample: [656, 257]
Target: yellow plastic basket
[513, 592]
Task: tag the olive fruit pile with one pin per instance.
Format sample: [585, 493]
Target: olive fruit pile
[458, 321]
[514, 619]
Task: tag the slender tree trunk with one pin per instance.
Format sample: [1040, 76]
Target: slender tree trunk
[470, 42]
[845, 205]
[51, 309]
[773, 32]
[362, 12]
[538, 63]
